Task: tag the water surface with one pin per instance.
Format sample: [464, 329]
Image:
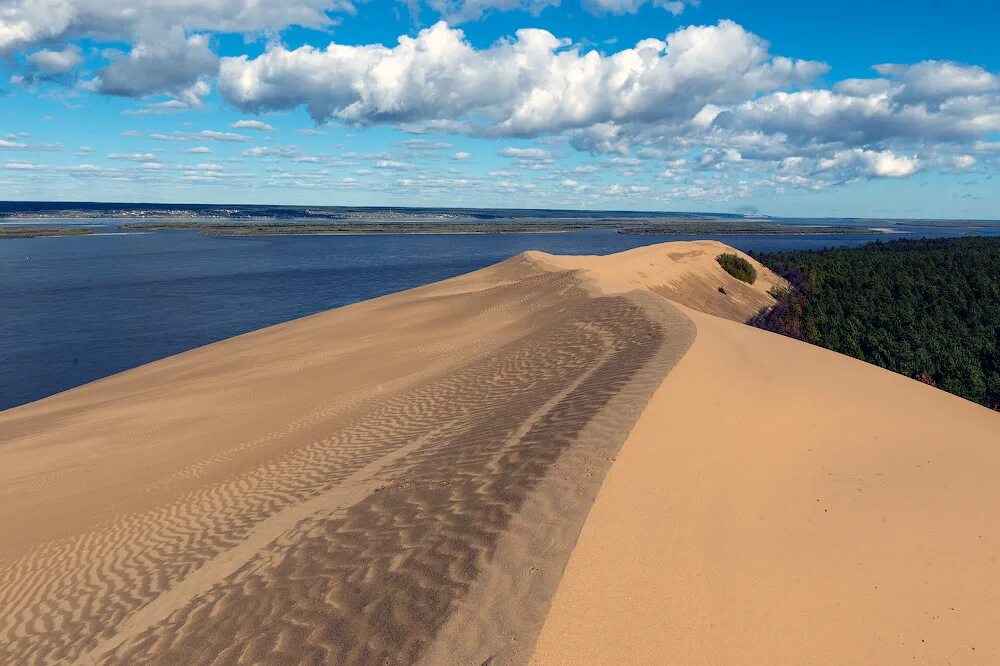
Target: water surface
[75, 309]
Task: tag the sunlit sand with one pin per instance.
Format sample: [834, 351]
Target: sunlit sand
[554, 459]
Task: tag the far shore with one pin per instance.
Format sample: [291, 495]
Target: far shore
[680, 227]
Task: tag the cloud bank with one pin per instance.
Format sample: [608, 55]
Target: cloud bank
[533, 84]
[701, 103]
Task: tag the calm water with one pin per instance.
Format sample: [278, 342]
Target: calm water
[73, 310]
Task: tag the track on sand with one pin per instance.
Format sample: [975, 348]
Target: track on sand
[398, 480]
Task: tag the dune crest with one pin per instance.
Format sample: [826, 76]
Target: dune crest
[332, 489]
[405, 480]
[684, 272]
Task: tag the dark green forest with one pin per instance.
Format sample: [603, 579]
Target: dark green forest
[928, 309]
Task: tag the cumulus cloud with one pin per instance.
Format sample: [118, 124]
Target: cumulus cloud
[871, 163]
[527, 86]
[704, 105]
[168, 63]
[936, 81]
[939, 101]
[24, 23]
[845, 166]
[50, 63]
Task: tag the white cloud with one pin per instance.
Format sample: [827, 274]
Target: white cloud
[935, 80]
[199, 150]
[531, 85]
[601, 138]
[844, 166]
[963, 162]
[257, 125]
[134, 157]
[424, 144]
[272, 151]
[24, 23]
[55, 63]
[227, 137]
[675, 7]
[617, 189]
[169, 106]
[525, 153]
[392, 164]
[8, 144]
[705, 105]
[21, 166]
[885, 164]
[168, 63]
[929, 101]
[459, 11]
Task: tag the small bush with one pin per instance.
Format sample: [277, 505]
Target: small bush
[722, 291]
[738, 267]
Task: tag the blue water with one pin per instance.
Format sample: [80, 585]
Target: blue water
[76, 309]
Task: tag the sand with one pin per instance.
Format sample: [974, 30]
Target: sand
[778, 503]
[413, 479]
[330, 490]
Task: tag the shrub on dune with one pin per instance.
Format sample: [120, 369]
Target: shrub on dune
[738, 267]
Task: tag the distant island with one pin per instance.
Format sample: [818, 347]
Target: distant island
[39, 231]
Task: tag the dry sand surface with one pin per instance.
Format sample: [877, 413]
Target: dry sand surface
[778, 503]
[404, 481]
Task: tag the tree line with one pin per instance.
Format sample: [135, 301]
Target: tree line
[928, 309]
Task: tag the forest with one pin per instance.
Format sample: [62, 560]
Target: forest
[928, 309]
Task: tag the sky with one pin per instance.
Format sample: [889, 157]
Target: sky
[785, 108]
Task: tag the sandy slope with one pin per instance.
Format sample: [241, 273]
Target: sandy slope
[778, 503]
[404, 480]
[333, 489]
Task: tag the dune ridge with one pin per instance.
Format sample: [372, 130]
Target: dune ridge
[551, 460]
[329, 489]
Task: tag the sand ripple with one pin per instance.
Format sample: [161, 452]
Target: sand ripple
[353, 528]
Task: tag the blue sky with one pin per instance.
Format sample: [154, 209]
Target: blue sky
[787, 108]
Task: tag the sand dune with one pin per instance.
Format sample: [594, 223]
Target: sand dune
[778, 503]
[404, 480]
